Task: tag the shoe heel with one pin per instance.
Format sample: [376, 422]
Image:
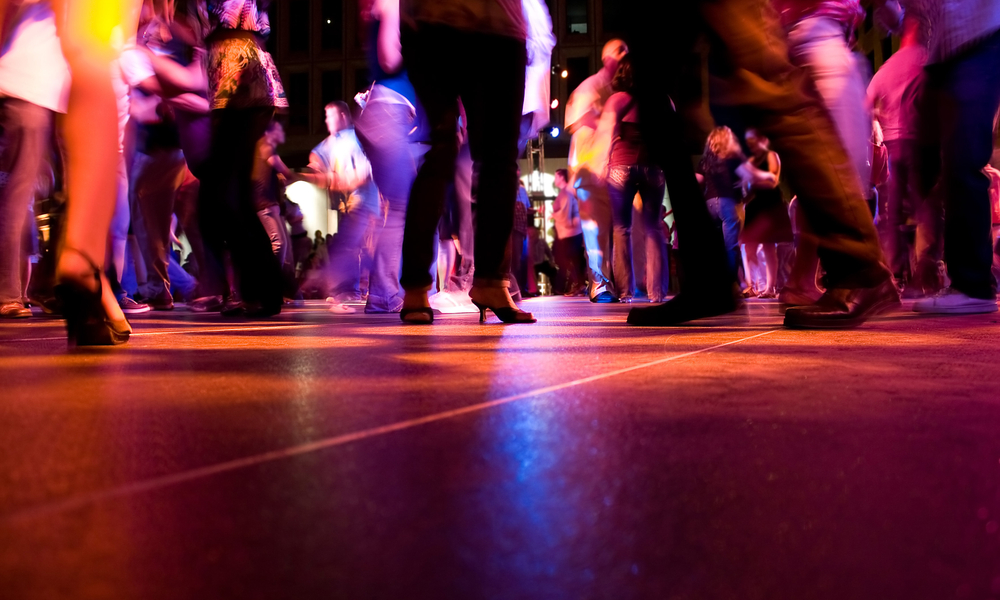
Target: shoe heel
[482, 311]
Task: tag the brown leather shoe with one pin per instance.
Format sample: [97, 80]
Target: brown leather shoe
[844, 308]
[14, 310]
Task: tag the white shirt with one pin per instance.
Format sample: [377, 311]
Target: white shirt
[341, 154]
[586, 150]
[32, 66]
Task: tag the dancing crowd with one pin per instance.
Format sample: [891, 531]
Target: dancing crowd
[818, 184]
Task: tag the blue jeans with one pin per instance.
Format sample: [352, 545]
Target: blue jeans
[383, 129]
[623, 184]
[728, 214]
[956, 112]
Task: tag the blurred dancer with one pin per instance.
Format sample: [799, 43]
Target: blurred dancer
[473, 50]
[568, 245]
[244, 91]
[630, 172]
[343, 167]
[766, 222]
[390, 127]
[892, 92]
[750, 60]
[957, 109]
[587, 162]
[34, 83]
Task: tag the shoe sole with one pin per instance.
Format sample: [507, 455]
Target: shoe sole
[979, 309]
[876, 310]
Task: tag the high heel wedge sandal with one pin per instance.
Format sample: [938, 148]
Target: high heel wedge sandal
[87, 324]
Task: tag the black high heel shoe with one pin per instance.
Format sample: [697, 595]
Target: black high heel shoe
[87, 324]
[508, 312]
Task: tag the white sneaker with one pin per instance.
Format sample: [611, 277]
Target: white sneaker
[954, 302]
[342, 309]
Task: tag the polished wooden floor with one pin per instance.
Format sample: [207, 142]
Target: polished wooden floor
[330, 456]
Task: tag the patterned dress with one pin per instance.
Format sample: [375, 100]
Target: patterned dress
[241, 74]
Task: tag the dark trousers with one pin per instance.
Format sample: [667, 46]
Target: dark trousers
[28, 132]
[571, 261]
[957, 108]
[228, 217]
[487, 73]
[752, 74]
[519, 259]
[161, 174]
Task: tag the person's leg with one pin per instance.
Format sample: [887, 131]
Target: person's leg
[256, 267]
[818, 45]
[118, 234]
[383, 129]
[970, 95]
[891, 234]
[651, 191]
[27, 129]
[270, 219]
[90, 130]
[770, 253]
[155, 188]
[621, 191]
[495, 92]
[428, 55]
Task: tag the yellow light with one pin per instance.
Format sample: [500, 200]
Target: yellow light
[564, 74]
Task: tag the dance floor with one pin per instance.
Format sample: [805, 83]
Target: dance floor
[319, 455]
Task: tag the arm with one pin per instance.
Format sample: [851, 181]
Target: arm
[192, 103]
[176, 79]
[752, 177]
[390, 53]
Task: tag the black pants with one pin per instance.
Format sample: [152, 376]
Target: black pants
[487, 74]
[957, 107]
[571, 261]
[752, 75]
[228, 217]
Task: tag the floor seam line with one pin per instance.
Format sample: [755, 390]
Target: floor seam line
[331, 442]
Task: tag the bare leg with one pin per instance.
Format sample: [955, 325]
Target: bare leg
[86, 28]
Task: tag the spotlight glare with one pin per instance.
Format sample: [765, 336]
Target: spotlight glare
[564, 74]
[554, 132]
[555, 104]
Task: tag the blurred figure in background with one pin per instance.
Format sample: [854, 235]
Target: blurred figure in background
[957, 110]
[587, 163]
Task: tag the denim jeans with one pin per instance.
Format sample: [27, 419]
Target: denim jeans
[728, 215]
[383, 128]
[27, 128]
[274, 225]
[623, 184]
[956, 112]
[596, 218]
[818, 45]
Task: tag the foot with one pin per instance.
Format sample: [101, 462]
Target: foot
[683, 308]
[14, 310]
[953, 302]
[162, 301]
[498, 300]
[416, 308]
[794, 296]
[844, 308]
[206, 304]
[131, 307]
